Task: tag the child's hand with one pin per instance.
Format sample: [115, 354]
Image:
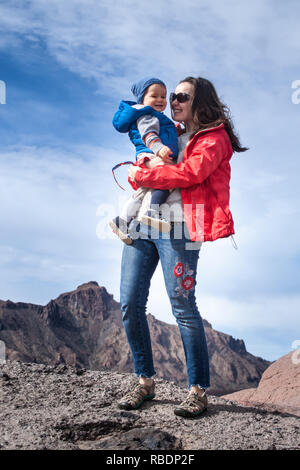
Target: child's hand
[164, 153]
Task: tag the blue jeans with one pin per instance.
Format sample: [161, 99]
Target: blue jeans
[179, 266]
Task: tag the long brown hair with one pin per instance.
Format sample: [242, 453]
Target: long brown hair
[209, 111]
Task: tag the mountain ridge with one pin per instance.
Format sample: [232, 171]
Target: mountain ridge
[83, 328]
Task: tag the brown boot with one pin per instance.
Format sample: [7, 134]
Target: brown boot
[192, 406]
[135, 397]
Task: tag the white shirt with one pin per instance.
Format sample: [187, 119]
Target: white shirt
[172, 208]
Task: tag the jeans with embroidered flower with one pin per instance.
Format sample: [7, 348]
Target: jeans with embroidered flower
[179, 258]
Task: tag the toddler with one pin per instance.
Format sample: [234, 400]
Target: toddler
[155, 138]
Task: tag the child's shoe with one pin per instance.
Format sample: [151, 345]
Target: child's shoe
[120, 227]
[155, 219]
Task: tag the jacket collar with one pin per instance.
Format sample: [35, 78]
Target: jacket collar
[202, 131]
[180, 129]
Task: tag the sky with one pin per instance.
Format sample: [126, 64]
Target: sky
[66, 66]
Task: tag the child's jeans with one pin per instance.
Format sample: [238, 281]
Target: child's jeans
[179, 267]
[159, 196]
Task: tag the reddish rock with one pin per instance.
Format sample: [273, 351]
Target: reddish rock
[278, 389]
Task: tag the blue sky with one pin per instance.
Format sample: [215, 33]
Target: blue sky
[66, 66]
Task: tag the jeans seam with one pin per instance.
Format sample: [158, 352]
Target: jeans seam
[196, 310]
[191, 303]
[139, 311]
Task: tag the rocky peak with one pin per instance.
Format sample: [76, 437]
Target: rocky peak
[83, 328]
[89, 300]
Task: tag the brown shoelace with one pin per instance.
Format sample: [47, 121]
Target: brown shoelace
[135, 395]
[193, 402]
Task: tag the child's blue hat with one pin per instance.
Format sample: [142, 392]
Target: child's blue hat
[139, 88]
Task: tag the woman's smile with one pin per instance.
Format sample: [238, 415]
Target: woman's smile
[176, 110]
[183, 111]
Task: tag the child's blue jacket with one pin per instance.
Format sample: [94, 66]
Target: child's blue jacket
[125, 119]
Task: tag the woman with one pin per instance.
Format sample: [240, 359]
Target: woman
[206, 143]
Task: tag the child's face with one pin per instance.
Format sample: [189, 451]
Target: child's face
[156, 97]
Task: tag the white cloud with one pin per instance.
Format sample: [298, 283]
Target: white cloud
[48, 236]
[115, 43]
[52, 194]
[49, 219]
[260, 313]
[268, 324]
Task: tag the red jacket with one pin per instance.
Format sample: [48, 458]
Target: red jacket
[203, 177]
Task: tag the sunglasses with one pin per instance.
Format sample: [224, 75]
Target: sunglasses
[180, 97]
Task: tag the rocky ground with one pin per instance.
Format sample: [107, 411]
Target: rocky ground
[60, 407]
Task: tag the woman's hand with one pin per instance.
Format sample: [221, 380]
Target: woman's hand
[167, 160]
[153, 162]
[132, 171]
[164, 153]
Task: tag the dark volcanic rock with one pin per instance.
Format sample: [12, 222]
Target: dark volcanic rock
[83, 328]
[141, 439]
[52, 407]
